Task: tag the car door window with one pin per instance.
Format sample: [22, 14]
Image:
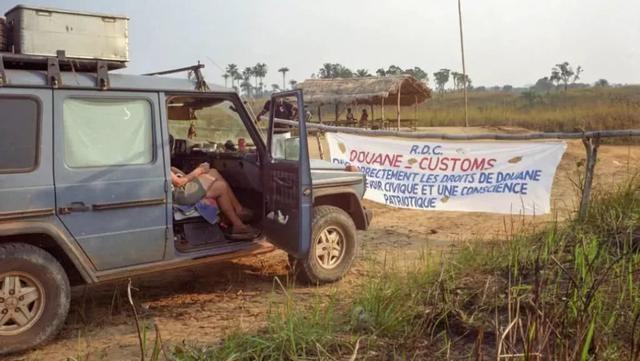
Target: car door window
[107, 132]
[18, 134]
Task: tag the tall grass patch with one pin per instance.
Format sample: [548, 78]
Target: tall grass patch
[569, 291]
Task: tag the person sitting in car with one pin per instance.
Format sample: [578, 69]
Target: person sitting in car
[204, 182]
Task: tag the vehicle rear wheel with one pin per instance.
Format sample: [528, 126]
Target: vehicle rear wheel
[34, 297]
[334, 246]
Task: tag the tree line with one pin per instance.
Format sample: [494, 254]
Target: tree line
[241, 79]
[441, 77]
[251, 79]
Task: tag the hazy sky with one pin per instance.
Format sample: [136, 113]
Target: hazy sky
[506, 41]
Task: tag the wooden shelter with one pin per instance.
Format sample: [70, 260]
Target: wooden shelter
[394, 90]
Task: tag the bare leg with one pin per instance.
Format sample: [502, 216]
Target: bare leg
[219, 178]
[220, 193]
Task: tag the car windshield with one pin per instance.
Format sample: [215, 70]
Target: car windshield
[213, 121]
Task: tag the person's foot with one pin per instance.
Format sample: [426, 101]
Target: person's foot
[243, 232]
[245, 214]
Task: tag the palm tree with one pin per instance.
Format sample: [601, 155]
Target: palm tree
[226, 77]
[260, 71]
[246, 87]
[293, 83]
[246, 77]
[284, 71]
[232, 70]
[237, 77]
[361, 73]
[247, 72]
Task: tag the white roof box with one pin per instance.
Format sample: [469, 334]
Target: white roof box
[44, 31]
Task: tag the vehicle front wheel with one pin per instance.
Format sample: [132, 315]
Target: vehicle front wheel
[334, 246]
[34, 297]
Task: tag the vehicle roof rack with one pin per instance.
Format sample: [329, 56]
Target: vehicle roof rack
[53, 65]
[201, 84]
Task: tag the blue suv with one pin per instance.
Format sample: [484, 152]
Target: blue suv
[86, 194]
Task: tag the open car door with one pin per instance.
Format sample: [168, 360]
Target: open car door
[287, 177]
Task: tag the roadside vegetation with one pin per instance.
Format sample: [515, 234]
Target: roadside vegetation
[594, 108]
[568, 291]
[587, 108]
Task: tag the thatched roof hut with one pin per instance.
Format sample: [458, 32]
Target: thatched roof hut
[368, 90]
[395, 90]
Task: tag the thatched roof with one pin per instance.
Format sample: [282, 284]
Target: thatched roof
[368, 90]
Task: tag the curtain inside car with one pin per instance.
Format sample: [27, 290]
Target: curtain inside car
[107, 132]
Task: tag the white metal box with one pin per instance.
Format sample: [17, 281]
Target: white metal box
[44, 31]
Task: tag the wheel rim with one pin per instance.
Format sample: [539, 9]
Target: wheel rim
[330, 247]
[21, 302]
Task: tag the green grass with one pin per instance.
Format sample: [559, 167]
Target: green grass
[569, 291]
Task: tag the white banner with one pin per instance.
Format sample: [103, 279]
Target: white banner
[499, 177]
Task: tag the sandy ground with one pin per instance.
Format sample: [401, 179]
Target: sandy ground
[202, 305]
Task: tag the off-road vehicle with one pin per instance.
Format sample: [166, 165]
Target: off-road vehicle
[86, 196]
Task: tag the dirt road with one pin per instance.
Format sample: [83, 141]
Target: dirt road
[204, 304]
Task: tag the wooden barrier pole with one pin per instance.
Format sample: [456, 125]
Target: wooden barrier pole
[371, 117]
[320, 145]
[591, 145]
[382, 121]
[398, 109]
[616, 133]
[415, 113]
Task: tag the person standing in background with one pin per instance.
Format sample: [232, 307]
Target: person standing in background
[281, 132]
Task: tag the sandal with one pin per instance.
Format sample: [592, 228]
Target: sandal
[245, 233]
[246, 215]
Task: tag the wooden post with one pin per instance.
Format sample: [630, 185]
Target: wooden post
[415, 112]
[372, 117]
[320, 113]
[591, 146]
[336, 113]
[354, 110]
[382, 119]
[398, 109]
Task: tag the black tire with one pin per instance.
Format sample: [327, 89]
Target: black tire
[34, 265]
[310, 269]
